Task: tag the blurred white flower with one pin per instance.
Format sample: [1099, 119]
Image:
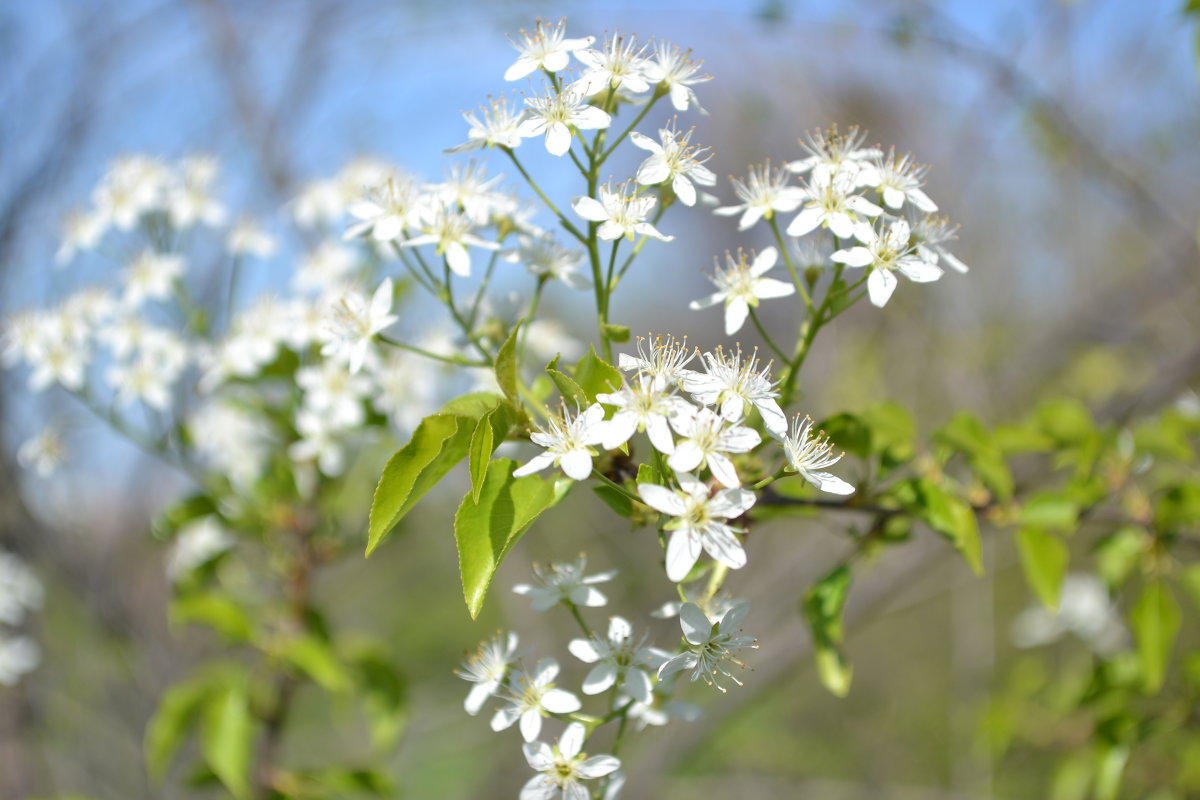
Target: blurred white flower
[326, 268]
[19, 655]
[487, 668]
[564, 582]
[1084, 609]
[152, 276]
[713, 647]
[133, 186]
[189, 200]
[197, 543]
[543, 256]
[387, 211]
[763, 194]
[497, 125]
[81, 232]
[831, 153]
[450, 230]
[44, 453]
[563, 766]
[248, 238]
[529, 696]
[334, 393]
[557, 115]
[321, 440]
[354, 322]
[20, 590]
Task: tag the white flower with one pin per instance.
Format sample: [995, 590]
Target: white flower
[151, 276]
[19, 655]
[331, 390]
[545, 257]
[142, 379]
[326, 267]
[931, 233]
[189, 200]
[621, 64]
[563, 766]
[44, 453]
[706, 438]
[321, 440]
[712, 645]
[673, 69]
[531, 696]
[355, 322]
[832, 204]
[486, 668]
[644, 404]
[731, 384]
[618, 658]
[468, 188]
[659, 712]
[387, 211]
[700, 522]
[232, 441]
[810, 455]
[1084, 609]
[900, 179]
[741, 285]
[81, 231]
[885, 254]
[498, 125]
[763, 194]
[450, 230]
[830, 153]
[565, 583]
[20, 590]
[620, 212]
[661, 358]
[674, 160]
[555, 114]
[60, 354]
[567, 441]
[197, 543]
[247, 238]
[546, 48]
[133, 186]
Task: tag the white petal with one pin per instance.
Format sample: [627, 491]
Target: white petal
[539, 787]
[560, 701]
[531, 724]
[584, 650]
[504, 718]
[577, 464]
[683, 550]
[697, 628]
[478, 695]
[687, 456]
[644, 142]
[722, 545]
[880, 285]
[773, 417]
[539, 755]
[598, 766]
[684, 190]
[558, 139]
[618, 430]
[590, 118]
[841, 225]
[679, 662]
[730, 503]
[922, 201]
[722, 469]
[804, 222]
[828, 482]
[660, 498]
[653, 170]
[572, 740]
[854, 257]
[520, 68]
[600, 678]
[919, 271]
[659, 433]
[736, 311]
[535, 464]
[459, 259]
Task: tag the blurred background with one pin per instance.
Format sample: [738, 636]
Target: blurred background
[1061, 137]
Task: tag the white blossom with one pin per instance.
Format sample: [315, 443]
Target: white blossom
[545, 48]
[324, 269]
[742, 284]
[885, 254]
[643, 404]
[620, 212]
[672, 69]
[831, 153]
[387, 211]
[152, 276]
[564, 582]
[673, 158]
[618, 658]
[189, 199]
[543, 256]
[563, 766]
[1084, 610]
[321, 440]
[334, 392]
[44, 453]
[764, 193]
[529, 696]
[831, 203]
[662, 358]
[700, 522]
[20, 590]
[568, 441]
[197, 543]
[620, 65]
[731, 383]
[19, 655]
[557, 114]
[487, 668]
[706, 437]
[713, 647]
[930, 234]
[354, 323]
[81, 231]
[900, 179]
[810, 454]
[248, 238]
[497, 125]
[450, 230]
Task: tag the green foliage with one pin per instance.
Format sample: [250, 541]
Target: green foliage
[316, 659]
[507, 367]
[177, 711]
[948, 515]
[595, 375]
[437, 445]
[823, 606]
[1155, 619]
[967, 435]
[487, 530]
[567, 386]
[1044, 558]
[489, 433]
[217, 610]
[228, 737]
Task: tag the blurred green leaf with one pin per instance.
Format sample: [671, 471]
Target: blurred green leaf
[849, 433]
[177, 711]
[1110, 766]
[1119, 554]
[383, 692]
[617, 333]
[228, 739]
[947, 515]
[507, 367]
[1066, 421]
[615, 500]
[594, 375]
[487, 530]
[823, 606]
[1050, 511]
[316, 659]
[166, 524]
[967, 435]
[893, 432]
[1044, 558]
[218, 611]
[1155, 619]
[438, 443]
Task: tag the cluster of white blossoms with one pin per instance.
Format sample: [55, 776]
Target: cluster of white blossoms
[624, 670]
[20, 594]
[854, 206]
[696, 420]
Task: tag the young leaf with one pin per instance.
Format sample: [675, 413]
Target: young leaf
[482, 445]
[177, 711]
[473, 405]
[594, 375]
[316, 659]
[1044, 558]
[823, 606]
[1155, 619]
[572, 392]
[438, 443]
[485, 531]
[229, 737]
[217, 611]
[614, 500]
[506, 367]
[952, 518]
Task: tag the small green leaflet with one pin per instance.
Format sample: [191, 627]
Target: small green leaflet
[823, 607]
[1155, 619]
[1044, 558]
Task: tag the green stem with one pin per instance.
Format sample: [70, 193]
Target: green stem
[787, 260]
[578, 618]
[615, 486]
[451, 359]
[658, 92]
[487, 278]
[566, 223]
[767, 337]
[529, 316]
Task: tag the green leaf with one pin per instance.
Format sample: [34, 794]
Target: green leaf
[849, 433]
[1044, 558]
[823, 606]
[507, 367]
[1110, 766]
[1119, 554]
[594, 375]
[218, 611]
[615, 500]
[1064, 420]
[177, 711]
[966, 434]
[893, 432]
[1050, 511]
[383, 693]
[487, 530]
[473, 405]
[951, 517]
[438, 443]
[1155, 619]
[489, 433]
[647, 473]
[316, 659]
[571, 391]
[228, 738]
